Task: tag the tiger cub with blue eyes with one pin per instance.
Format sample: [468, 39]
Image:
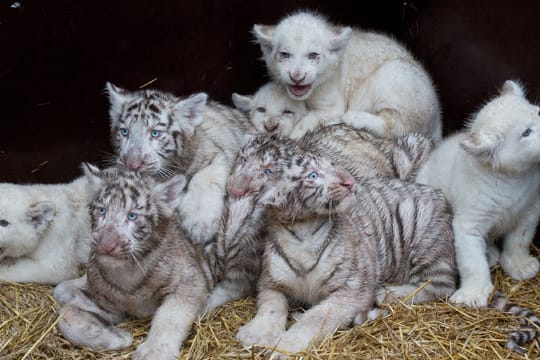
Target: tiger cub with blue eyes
[334, 242]
[159, 133]
[142, 264]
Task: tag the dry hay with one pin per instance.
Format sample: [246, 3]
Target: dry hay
[430, 331]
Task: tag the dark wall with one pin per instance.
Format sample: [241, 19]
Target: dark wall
[57, 55]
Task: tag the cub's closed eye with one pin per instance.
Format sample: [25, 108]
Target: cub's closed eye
[526, 133]
[4, 223]
[261, 109]
[287, 112]
[313, 56]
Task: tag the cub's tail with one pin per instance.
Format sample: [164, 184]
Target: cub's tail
[528, 319]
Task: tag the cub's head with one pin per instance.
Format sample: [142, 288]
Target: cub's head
[313, 185]
[302, 51]
[258, 166]
[505, 133]
[150, 128]
[128, 209]
[271, 110]
[23, 221]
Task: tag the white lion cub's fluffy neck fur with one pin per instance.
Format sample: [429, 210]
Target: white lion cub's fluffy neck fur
[491, 176]
[364, 78]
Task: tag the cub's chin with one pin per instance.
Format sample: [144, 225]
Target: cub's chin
[299, 92]
[346, 203]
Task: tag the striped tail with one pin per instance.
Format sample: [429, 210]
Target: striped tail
[527, 318]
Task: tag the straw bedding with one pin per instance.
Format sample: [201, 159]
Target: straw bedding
[28, 315]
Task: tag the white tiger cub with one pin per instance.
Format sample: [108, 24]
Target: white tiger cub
[490, 175]
[143, 264]
[368, 79]
[271, 110]
[333, 243]
[44, 231]
[157, 132]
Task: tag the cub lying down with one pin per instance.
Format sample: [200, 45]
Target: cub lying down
[333, 243]
[44, 231]
[142, 264]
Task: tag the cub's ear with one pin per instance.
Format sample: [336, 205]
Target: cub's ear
[94, 179]
[482, 146]
[341, 39]
[190, 111]
[263, 36]
[40, 215]
[117, 97]
[242, 102]
[169, 193]
[512, 88]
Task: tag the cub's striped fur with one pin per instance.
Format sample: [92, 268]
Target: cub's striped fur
[259, 164]
[142, 264]
[333, 243]
[156, 132]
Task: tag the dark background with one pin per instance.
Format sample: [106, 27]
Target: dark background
[55, 57]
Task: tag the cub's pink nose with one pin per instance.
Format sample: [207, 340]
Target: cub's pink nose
[107, 248]
[297, 77]
[269, 127]
[346, 180]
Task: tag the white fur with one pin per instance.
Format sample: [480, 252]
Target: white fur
[271, 110]
[366, 79]
[47, 234]
[491, 176]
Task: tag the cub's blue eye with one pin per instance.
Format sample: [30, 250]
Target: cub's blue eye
[132, 216]
[268, 171]
[124, 132]
[527, 132]
[101, 210]
[313, 175]
[4, 223]
[242, 160]
[155, 133]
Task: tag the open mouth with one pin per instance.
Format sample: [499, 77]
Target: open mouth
[299, 90]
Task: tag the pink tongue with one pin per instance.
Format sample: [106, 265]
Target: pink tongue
[299, 90]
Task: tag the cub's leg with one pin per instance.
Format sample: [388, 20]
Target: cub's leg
[28, 270]
[515, 258]
[335, 312]
[85, 328]
[473, 267]
[315, 119]
[171, 325]
[269, 322]
[203, 203]
[225, 291]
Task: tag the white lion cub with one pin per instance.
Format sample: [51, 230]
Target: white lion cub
[271, 110]
[44, 231]
[367, 79]
[491, 176]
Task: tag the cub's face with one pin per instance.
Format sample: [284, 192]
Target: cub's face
[506, 132]
[149, 128]
[302, 52]
[312, 184]
[127, 208]
[271, 110]
[259, 165]
[23, 222]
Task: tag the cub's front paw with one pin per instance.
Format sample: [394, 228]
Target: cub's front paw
[201, 216]
[472, 296]
[147, 351]
[259, 332]
[519, 268]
